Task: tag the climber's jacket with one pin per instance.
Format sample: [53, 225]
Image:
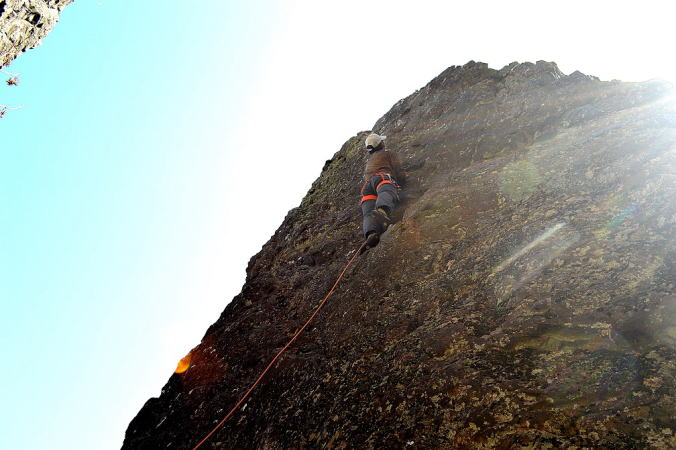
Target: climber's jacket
[382, 161]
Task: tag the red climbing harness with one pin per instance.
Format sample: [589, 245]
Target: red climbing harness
[384, 182]
[385, 178]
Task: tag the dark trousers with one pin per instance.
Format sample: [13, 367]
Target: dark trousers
[379, 190]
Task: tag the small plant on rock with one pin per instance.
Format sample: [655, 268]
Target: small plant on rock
[13, 79]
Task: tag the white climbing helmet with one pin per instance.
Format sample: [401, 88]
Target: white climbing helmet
[373, 140]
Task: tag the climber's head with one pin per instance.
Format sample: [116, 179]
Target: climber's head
[374, 142]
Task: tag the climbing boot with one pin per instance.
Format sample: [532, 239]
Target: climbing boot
[382, 218]
[372, 239]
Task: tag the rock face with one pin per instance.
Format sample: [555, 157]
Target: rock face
[525, 294]
[23, 24]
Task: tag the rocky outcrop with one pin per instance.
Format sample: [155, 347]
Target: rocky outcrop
[525, 295]
[24, 23]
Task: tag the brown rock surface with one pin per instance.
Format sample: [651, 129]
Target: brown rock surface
[525, 295]
[24, 23]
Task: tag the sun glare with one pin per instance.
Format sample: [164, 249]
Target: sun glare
[183, 364]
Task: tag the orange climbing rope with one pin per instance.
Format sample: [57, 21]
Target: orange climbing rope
[293, 339]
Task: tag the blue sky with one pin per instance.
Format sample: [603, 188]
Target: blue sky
[159, 147]
[111, 176]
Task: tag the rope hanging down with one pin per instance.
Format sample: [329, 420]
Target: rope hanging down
[274, 360]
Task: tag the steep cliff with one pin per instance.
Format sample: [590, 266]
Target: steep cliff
[525, 294]
[24, 23]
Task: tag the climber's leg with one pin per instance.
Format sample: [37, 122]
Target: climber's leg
[369, 225]
[387, 198]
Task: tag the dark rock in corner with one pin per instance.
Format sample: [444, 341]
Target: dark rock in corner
[24, 23]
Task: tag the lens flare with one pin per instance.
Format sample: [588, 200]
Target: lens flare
[617, 220]
[183, 364]
[531, 259]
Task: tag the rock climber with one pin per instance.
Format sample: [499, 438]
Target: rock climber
[379, 194]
